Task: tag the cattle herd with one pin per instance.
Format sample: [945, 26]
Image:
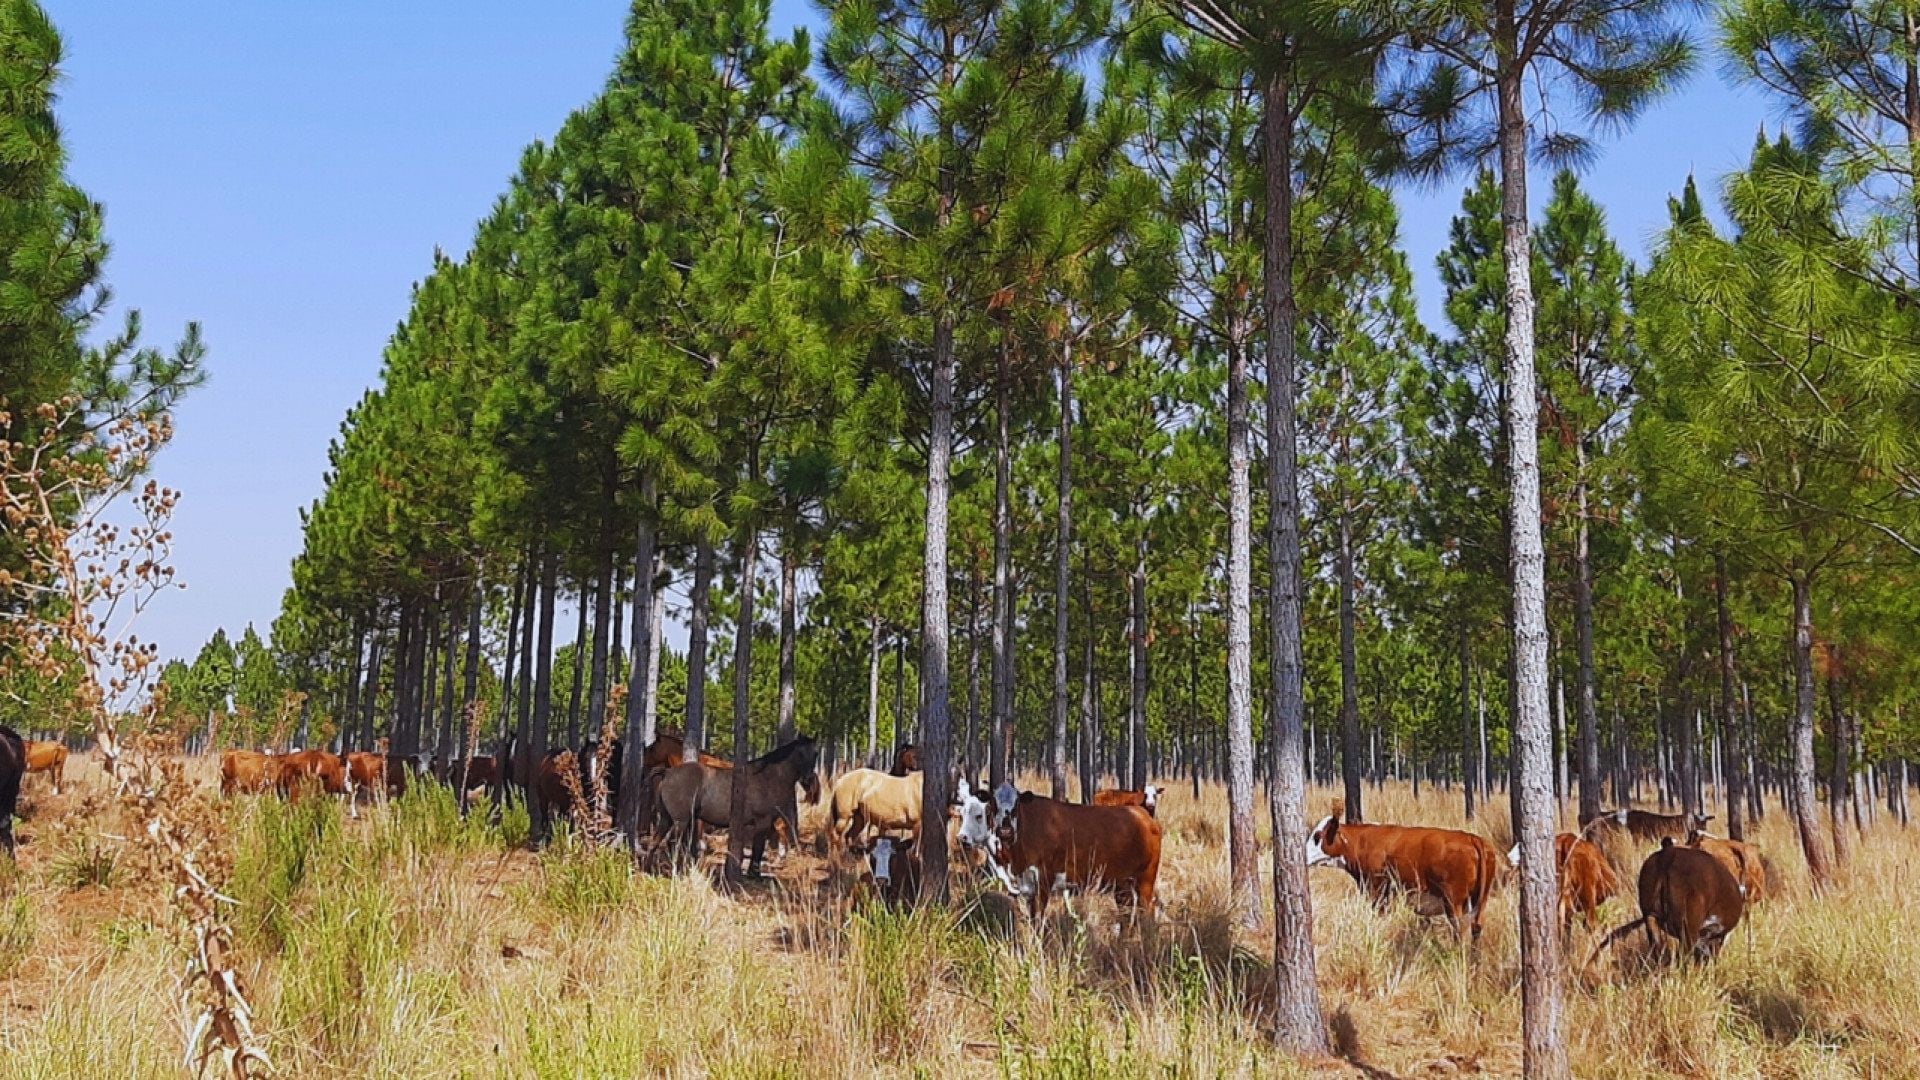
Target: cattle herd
[1693, 887]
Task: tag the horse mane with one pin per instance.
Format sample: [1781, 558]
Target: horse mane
[781, 753]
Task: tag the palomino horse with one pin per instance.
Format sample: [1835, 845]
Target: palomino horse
[869, 798]
[696, 794]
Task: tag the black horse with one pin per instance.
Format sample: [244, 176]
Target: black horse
[13, 766]
[696, 794]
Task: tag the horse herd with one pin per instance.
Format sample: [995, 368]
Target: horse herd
[1694, 887]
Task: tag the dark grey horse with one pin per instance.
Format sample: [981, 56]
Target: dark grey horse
[692, 795]
[13, 765]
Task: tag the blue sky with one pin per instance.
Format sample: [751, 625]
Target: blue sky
[282, 172]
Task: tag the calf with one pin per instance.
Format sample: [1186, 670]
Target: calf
[13, 766]
[1039, 844]
[1687, 894]
[894, 868]
[49, 758]
[247, 771]
[1453, 867]
[1741, 860]
[1147, 800]
[1586, 878]
[1649, 826]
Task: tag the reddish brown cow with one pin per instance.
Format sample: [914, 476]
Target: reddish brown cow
[247, 771]
[1452, 867]
[1037, 845]
[366, 771]
[1687, 894]
[1586, 878]
[49, 758]
[305, 770]
[1741, 860]
[1147, 800]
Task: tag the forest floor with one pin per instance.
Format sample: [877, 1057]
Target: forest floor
[412, 943]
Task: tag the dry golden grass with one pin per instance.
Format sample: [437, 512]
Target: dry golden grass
[410, 943]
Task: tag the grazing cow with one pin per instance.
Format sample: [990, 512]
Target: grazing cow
[1649, 826]
[1037, 845]
[1454, 868]
[1147, 800]
[1586, 878]
[906, 760]
[894, 868]
[13, 766]
[1741, 860]
[49, 758]
[1687, 894]
[308, 769]
[869, 799]
[247, 771]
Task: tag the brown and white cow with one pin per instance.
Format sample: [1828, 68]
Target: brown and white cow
[1742, 860]
[1453, 868]
[1036, 845]
[1689, 896]
[1147, 800]
[893, 868]
[1586, 877]
[247, 771]
[367, 772]
[49, 758]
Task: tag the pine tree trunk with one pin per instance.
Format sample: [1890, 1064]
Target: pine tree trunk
[352, 711]
[1812, 844]
[789, 605]
[698, 604]
[577, 691]
[656, 637]
[1585, 694]
[1731, 756]
[1840, 780]
[616, 648]
[523, 763]
[873, 690]
[470, 693]
[937, 749]
[971, 759]
[370, 694]
[603, 613]
[1243, 850]
[1543, 1020]
[429, 680]
[1002, 704]
[1350, 752]
[1089, 718]
[1062, 577]
[1469, 757]
[1137, 715]
[737, 838]
[538, 737]
[642, 686]
[449, 707]
[516, 606]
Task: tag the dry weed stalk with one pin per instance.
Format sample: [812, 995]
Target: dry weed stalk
[87, 578]
[590, 817]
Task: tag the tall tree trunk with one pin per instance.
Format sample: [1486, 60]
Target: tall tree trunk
[470, 693]
[1585, 695]
[542, 689]
[656, 637]
[616, 649]
[642, 687]
[516, 607]
[1298, 1024]
[603, 613]
[1469, 756]
[1731, 753]
[873, 688]
[577, 691]
[900, 737]
[1137, 714]
[1543, 1019]
[449, 707]
[1840, 780]
[789, 610]
[1002, 704]
[737, 838]
[527, 754]
[1350, 751]
[699, 603]
[370, 694]
[936, 753]
[1812, 844]
[1062, 577]
[1089, 718]
[351, 714]
[971, 758]
[1243, 849]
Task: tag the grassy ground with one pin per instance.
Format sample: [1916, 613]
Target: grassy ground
[411, 943]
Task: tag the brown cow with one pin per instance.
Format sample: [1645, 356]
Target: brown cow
[1147, 800]
[1036, 845]
[247, 771]
[1741, 860]
[49, 758]
[1452, 867]
[367, 771]
[1586, 877]
[305, 770]
[1687, 894]
[893, 866]
[1649, 826]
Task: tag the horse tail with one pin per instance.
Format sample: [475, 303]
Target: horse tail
[1613, 937]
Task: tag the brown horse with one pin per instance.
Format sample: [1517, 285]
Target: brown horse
[696, 794]
[906, 760]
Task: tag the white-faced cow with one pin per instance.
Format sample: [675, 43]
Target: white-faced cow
[1036, 845]
[1147, 799]
[1453, 868]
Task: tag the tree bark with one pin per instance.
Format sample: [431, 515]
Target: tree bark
[1089, 718]
[1298, 1023]
[642, 685]
[1137, 714]
[1812, 844]
[1542, 1011]
[1062, 577]
[1469, 756]
[737, 838]
[971, 758]
[1002, 704]
[1840, 780]
[578, 687]
[470, 694]
[1733, 760]
[789, 609]
[351, 714]
[1243, 850]
[542, 689]
[873, 688]
[937, 748]
[699, 603]
[370, 695]
[603, 633]
[1350, 752]
[1585, 695]
[449, 709]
